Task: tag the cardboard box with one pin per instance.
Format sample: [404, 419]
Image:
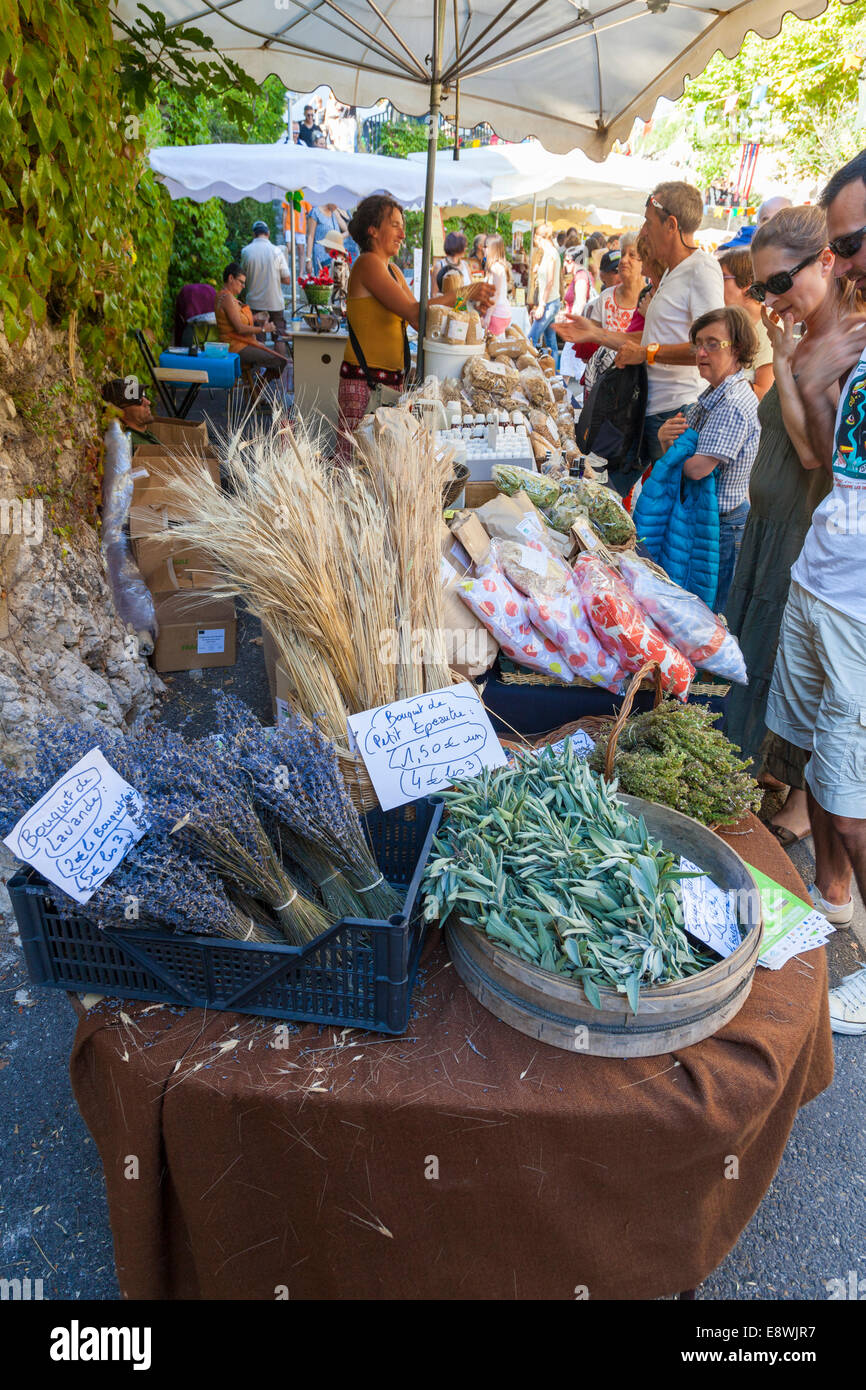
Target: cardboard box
[195, 632]
[479, 493]
[180, 434]
[278, 679]
[152, 467]
[165, 564]
[282, 693]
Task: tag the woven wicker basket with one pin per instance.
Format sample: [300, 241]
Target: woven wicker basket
[454, 489]
[594, 724]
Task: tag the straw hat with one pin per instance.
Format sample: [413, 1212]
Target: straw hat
[333, 241]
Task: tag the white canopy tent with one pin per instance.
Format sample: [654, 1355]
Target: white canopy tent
[526, 178]
[330, 176]
[519, 174]
[570, 73]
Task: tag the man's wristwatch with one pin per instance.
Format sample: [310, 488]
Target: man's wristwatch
[652, 350]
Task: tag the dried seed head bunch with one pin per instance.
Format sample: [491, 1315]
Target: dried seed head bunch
[408, 476]
[672, 754]
[158, 879]
[194, 790]
[544, 859]
[331, 560]
[294, 774]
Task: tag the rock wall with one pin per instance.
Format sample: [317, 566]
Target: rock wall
[63, 648]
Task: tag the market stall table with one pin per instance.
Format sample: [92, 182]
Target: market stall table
[317, 358]
[462, 1161]
[221, 373]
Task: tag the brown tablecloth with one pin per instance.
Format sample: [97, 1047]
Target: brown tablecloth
[463, 1160]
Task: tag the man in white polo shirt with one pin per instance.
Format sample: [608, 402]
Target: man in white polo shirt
[818, 693]
[691, 285]
[266, 269]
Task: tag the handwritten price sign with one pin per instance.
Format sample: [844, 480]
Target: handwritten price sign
[81, 828]
[417, 747]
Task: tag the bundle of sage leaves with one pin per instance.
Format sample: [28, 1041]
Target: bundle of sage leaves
[543, 858]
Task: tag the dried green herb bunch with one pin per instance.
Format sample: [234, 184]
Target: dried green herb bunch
[545, 860]
[673, 754]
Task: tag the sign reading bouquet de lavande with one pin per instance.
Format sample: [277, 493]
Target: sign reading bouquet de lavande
[81, 828]
[419, 746]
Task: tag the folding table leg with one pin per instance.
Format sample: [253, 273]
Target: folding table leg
[150, 363]
[186, 404]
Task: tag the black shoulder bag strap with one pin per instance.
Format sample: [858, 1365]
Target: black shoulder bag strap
[362, 361]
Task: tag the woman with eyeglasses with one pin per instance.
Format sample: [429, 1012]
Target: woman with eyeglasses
[379, 305]
[793, 279]
[236, 326]
[726, 419]
[737, 275]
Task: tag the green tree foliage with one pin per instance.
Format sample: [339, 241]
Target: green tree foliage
[399, 138]
[84, 229]
[810, 113]
[208, 235]
[487, 223]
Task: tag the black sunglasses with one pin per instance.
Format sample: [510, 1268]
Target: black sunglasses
[781, 282]
[848, 245]
[659, 207]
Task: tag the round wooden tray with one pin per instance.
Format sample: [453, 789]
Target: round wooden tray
[555, 1010]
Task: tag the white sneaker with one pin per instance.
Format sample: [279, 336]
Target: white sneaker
[839, 915]
[848, 1004]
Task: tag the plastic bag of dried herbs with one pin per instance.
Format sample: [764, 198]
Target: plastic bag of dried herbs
[600, 504]
[510, 479]
[674, 755]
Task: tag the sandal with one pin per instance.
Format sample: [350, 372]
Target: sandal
[786, 837]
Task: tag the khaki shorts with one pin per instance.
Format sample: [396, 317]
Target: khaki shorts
[818, 699]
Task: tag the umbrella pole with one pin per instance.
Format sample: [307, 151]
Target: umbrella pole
[457, 119]
[456, 85]
[432, 144]
[294, 256]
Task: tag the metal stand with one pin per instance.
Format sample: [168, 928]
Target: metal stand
[432, 142]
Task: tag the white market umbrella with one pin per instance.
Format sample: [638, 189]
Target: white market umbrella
[521, 174]
[263, 172]
[570, 73]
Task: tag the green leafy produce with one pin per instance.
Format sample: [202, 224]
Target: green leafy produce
[600, 504]
[674, 755]
[543, 859]
[565, 511]
[539, 488]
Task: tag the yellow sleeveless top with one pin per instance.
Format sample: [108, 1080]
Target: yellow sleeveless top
[380, 333]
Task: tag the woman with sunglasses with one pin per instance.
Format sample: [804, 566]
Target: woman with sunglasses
[737, 275]
[793, 279]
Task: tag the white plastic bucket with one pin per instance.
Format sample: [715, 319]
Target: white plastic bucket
[447, 359]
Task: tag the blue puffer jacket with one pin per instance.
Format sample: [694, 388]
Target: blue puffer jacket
[677, 519]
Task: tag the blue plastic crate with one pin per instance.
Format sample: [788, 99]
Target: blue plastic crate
[359, 973]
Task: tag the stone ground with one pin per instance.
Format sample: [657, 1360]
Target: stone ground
[809, 1229]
